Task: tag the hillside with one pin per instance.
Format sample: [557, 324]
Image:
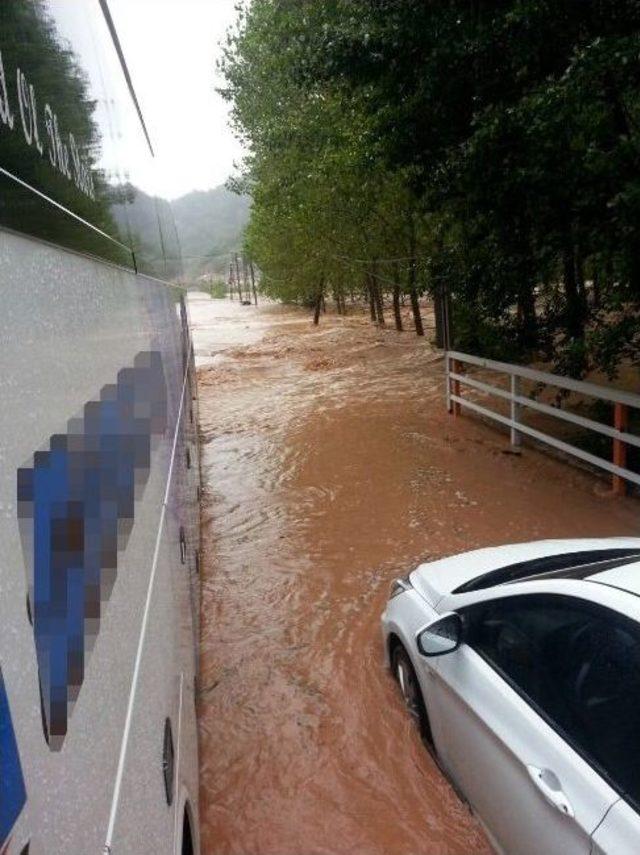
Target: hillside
[210, 224]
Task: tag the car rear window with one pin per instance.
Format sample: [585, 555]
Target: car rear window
[568, 565]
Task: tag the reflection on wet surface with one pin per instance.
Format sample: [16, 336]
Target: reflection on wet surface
[70, 131]
[330, 467]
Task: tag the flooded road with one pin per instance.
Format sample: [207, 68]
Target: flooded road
[330, 467]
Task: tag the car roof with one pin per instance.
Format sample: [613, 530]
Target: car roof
[626, 577]
[581, 564]
[479, 569]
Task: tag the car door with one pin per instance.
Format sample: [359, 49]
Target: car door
[613, 692]
[508, 728]
[619, 833]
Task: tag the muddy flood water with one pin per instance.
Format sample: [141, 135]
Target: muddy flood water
[329, 468]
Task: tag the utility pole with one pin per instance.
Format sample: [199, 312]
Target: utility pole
[244, 276]
[231, 281]
[238, 276]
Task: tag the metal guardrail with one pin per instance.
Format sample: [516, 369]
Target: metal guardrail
[622, 401]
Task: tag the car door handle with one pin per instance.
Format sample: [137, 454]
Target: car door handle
[549, 786]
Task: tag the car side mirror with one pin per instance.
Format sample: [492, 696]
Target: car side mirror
[441, 636]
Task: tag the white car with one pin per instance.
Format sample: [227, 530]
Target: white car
[522, 665]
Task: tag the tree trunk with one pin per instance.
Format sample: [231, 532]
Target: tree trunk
[396, 297]
[396, 307]
[377, 292]
[415, 308]
[634, 273]
[413, 288]
[582, 288]
[319, 302]
[574, 316]
[239, 287]
[379, 305]
[231, 281]
[528, 332]
[439, 310]
[245, 277]
[253, 283]
[372, 302]
[595, 302]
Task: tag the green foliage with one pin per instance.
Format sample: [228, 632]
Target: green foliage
[218, 289]
[494, 144]
[30, 42]
[480, 333]
[325, 206]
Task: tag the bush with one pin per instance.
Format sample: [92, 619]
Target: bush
[218, 290]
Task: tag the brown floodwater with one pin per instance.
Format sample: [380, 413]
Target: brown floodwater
[330, 467]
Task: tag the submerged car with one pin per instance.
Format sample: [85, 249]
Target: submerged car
[521, 664]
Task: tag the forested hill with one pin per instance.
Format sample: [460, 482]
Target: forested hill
[210, 225]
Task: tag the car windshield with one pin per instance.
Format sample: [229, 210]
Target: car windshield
[568, 565]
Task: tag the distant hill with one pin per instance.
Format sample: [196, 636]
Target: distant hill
[209, 227]
[210, 223]
[138, 216]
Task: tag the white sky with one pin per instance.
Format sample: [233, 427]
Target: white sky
[171, 47]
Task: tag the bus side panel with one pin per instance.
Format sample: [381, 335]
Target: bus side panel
[69, 328]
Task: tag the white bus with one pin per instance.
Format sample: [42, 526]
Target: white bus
[99, 468]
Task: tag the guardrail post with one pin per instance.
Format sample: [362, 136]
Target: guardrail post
[457, 367]
[621, 423]
[447, 380]
[453, 386]
[516, 436]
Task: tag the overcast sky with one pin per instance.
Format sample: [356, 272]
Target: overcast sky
[171, 48]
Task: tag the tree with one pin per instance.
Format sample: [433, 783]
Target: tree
[510, 129]
[325, 207]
